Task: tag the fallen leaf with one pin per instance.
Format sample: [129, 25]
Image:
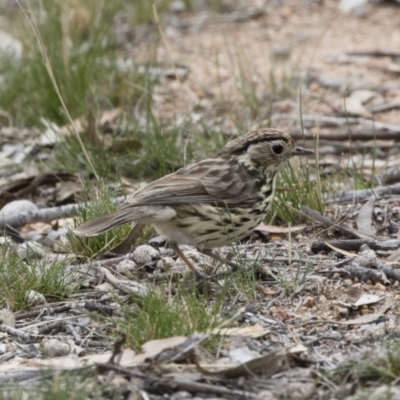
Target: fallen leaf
[7, 317]
[254, 331]
[364, 299]
[279, 229]
[366, 319]
[354, 106]
[364, 218]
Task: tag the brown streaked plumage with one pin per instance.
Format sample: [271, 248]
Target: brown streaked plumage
[213, 202]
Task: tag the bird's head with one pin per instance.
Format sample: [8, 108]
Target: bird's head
[263, 150]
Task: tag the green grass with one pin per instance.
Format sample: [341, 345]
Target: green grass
[291, 278]
[101, 203]
[80, 49]
[54, 280]
[295, 189]
[161, 315]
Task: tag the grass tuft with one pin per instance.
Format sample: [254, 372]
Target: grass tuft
[295, 188]
[159, 315]
[101, 205]
[54, 280]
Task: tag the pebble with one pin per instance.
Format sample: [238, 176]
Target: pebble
[34, 298]
[34, 236]
[127, 268]
[55, 348]
[166, 263]
[145, 254]
[55, 235]
[16, 207]
[31, 249]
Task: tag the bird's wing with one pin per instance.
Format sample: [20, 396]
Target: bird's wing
[208, 181]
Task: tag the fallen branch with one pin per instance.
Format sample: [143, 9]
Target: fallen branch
[357, 196]
[365, 274]
[354, 245]
[389, 272]
[46, 214]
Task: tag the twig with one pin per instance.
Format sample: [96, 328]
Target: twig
[17, 332]
[366, 274]
[389, 272]
[125, 286]
[155, 384]
[47, 214]
[326, 221]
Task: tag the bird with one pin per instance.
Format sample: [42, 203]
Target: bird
[213, 202]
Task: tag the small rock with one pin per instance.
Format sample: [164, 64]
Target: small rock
[16, 207]
[367, 259]
[181, 395]
[34, 298]
[266, 395]
[156, 241]
[341, 311]
[127, 268]
[34, 236]
[55, 235]
[166, 263]
[29, 250]
[47, 242]
[300, 390]
[322, 299]
[145, 254]
[55, 348]
[380, 287]
[166, 252]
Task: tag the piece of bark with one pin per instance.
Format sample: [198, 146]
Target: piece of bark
[391, 273]
[364, 218]
[366, 274]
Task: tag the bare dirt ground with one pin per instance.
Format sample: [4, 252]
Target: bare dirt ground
[317, 309]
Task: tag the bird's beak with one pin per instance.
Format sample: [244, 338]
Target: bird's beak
[299, 151]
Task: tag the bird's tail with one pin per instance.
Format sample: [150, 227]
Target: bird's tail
[102, 224]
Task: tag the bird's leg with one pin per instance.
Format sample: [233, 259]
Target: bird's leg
[182, 256]
[217, 257]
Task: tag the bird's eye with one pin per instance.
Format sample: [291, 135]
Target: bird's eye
[277, 149]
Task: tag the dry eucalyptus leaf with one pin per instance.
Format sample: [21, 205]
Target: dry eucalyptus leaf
[364, 219]
[254, 331]
[7, 317]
